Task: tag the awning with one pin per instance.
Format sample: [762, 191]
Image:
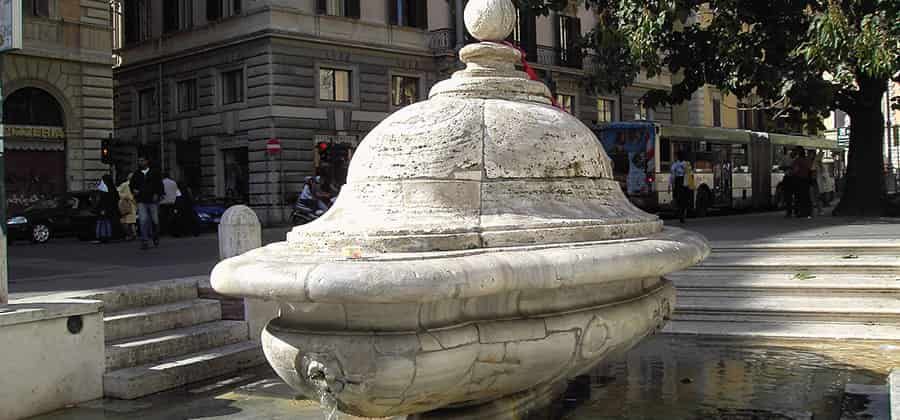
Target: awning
[35, 144]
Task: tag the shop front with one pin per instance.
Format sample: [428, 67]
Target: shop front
[35, 148]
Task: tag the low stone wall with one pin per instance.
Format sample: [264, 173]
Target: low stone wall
[53, 356]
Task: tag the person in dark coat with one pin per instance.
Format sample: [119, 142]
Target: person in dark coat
[147, 187]
[184, 218]
[107, 209]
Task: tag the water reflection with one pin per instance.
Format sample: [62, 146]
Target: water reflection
[671, 377]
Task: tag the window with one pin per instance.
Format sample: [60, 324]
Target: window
[334, 85]
[840, 119]
[232, 86]
[717, 112]
[220, 9]
[137, 21]
[525, 33]
[566, 102]
[178, 15]
[146, 104]
[568, 34]
[187, 95]
[346, 8]
[36, 8]
[605, 110]
[404, 90]
[642, 112]
[412, 13]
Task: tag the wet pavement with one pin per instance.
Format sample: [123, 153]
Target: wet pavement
[666, 377]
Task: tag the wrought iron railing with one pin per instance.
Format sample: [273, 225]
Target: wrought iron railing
[442, 41]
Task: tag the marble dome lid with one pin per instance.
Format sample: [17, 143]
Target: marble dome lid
[485, 162]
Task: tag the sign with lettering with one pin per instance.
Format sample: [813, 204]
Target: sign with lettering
[353, 141]
[10, 25]
[33, 132]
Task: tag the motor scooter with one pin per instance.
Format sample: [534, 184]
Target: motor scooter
[303, 214]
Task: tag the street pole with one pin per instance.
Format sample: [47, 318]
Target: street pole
[4, 291]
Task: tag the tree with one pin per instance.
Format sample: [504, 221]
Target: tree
[798, 59]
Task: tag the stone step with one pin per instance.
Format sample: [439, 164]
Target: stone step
[810, 282]
[166, 344]
[793, 263]
[141, 321]
[748, 306]
[232, 307]
[171, 373]
[817, 246]
[727, 326]
[117, 299]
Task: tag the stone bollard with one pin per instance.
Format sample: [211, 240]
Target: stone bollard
[4, 288]
[240, 231]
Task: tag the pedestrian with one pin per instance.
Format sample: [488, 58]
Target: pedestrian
[824, 179]
[801, 171]
[184, 220]
[787, 183]
[127, 209]
[167, 203]
[679, 181]
[147, 186]
[107, 209]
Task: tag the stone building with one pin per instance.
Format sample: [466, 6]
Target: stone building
[57, 93]
[225, 77]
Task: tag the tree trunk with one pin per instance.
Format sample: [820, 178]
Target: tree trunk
[864, 191]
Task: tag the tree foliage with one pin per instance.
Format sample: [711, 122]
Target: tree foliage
[802, 57]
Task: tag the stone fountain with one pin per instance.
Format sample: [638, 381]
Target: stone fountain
[480, 250]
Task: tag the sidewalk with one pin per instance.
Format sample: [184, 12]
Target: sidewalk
[773, 227]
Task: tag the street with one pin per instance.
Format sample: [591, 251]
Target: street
[65, 264]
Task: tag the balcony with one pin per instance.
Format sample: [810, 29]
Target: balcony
[442, 41]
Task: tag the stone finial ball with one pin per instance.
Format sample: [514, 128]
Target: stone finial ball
[490, 20]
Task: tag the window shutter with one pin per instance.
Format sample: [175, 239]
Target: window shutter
[42, 8]
[392, 12]
[352, 7]
[131, 22]
[170, 16]
[574, 49]
[529, 35]
[557, 39]
[321, 8]
[421, 7]
[213, 9]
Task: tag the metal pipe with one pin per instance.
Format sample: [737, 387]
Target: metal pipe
[162, 126]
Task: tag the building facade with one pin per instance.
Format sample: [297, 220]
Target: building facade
[58, 100]
[203, 86]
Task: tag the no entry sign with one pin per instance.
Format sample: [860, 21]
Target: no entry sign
[273, 146]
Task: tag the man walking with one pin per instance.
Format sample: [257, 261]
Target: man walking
[147, 187]
[167, 203]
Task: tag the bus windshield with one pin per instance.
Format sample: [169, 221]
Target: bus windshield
[630, 146]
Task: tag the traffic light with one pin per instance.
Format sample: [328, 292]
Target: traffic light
[105, 156]
[324, 149]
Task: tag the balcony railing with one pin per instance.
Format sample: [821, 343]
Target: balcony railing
[546, 55]
[442, 41]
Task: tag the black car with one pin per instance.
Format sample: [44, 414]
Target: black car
[70, 214]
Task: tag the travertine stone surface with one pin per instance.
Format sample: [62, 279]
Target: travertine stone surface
[497, 252]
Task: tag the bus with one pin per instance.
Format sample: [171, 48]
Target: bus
[733, 168]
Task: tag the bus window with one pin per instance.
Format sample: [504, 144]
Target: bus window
[739, 158]
[632, 153]
[665, 154]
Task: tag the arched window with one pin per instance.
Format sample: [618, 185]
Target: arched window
[32, 106]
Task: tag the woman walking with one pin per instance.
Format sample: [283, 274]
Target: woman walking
[128, 209]
[107, 209]
[680, 180]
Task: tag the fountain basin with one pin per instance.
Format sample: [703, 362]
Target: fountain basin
[404, 333]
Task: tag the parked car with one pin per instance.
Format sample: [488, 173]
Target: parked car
[210, 210]
[70, 214]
